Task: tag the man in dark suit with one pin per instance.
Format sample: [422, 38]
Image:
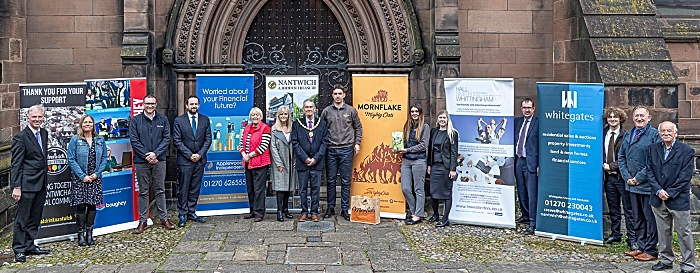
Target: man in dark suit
[192, 138]
[527, 163]
[614, 185]
[310, 139]
[28, 182]
[669, 170]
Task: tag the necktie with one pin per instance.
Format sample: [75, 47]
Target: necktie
[194, 126]
[521, 139]
[38, 139]
[311, 124]
[611, 147]
[637, 133]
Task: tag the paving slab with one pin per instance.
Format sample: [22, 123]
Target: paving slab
[228, 255]
[218, 236]
[55, 269]
[197, 234]
[236, 268]
[182, 262]
[275, 257]
[229, 246]
[140, 267]
[250, 252]
[376, 246]
[636, 266]
[345, 237]
[594, 266]
[385, 260]
[273, 225]
[313, 255]
[520, 267]
[345, 269]
[446, 265]
[226, 219]
[278, 247]
[322, 226]
[233, 227]
[390, 235]
[354, 257]
[197, 246]
[101, 269]
[208, 265]
[311, 267]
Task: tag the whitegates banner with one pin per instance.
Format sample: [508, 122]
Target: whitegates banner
[481, 111]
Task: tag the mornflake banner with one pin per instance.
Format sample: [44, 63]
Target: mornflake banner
[226, 100]
[570, 199]
[481, 110]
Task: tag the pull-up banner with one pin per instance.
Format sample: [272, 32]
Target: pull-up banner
[570, 199]
[227, 101]
[381, 102]
[481, 111]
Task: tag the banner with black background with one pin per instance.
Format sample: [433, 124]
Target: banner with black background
[64, 104]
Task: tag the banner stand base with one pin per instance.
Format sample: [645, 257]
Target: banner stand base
[483, 224]
[223, 212]
[96, 232]
[554, 237]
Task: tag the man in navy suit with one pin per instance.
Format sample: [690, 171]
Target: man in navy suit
[192, 138]
[527, 163]
[669, 170]
[28, 182]
[310, 139]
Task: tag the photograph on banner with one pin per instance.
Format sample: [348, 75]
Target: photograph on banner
[104, 94]
[380, 101]
[63, 106]
[290, 91]
[481, 110]
[227, 101]
[570, 205]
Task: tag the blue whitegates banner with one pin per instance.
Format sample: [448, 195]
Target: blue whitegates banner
[481, 111]
[570, 195]
[226, 100]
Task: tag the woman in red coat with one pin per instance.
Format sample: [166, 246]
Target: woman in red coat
[256, 157]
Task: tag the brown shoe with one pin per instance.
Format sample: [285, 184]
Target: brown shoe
[142, 226]
[302, 218]
[314, 218]
[167, 225]
[644, 257]
[633, 253]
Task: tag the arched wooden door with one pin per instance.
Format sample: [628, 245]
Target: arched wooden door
[297, 38]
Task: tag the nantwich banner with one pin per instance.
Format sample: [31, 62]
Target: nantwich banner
[481, 111]
[381, 102]
[570, 199]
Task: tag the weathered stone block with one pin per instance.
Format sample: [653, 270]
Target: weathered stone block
[480, 70]
[50, 24]
[467, 39]
[695, 110]
[99, 24]
[500, 21]
[689, 126]
[564, 72]
[136, 20]
[101, 71]
[13, 72]
[685, 52]
[617, 97]
[55, 73]
[668, 97]
[686, 71]
[542, 21]
[110, 7]
[630, 49]
[692, 90]
[97, 55]
[104, 39]
[8, 102]
[533, 55]
[15, 49]
[483, 5]
[494, 55]
[527, 70]
[49, 56]
[529, 4]
[640, 96]
[62, 8]
[622, 26]
[52, 40]
[637, 73]
[638, 7]
[525, 40]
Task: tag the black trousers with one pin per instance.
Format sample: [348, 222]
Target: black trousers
[190, 177]
[256, 180]
[27, 220]
[644, 224]
[615, 193]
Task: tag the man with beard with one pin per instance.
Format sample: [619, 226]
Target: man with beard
[192, 138]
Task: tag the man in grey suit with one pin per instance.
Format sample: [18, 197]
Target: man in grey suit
[669, 170]
[192, 138]
[28, 182]
[527, 163]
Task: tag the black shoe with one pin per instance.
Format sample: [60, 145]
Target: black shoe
[88, 236]
[434, 218]
[248, 216]
[182, 221]
[20, 258]
[632, 246]
[443, 223]
[329, 213]
[685, 271]
[345, 215]
[530, 231]
[522, 220]
[279, 216]
[38, 251]
[194, 217]
[660, 266]
[413, 222]
[287, 214]
[611, 240]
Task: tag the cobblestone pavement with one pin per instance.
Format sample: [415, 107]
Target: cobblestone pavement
[232, 244]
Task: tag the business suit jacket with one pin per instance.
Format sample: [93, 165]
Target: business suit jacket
[304, 149]
[618, 142]
[448, 150]
[187, 143]
[672, 174]
[29, 170]
[532, 141]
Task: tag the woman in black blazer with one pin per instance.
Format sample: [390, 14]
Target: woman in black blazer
[442, 166]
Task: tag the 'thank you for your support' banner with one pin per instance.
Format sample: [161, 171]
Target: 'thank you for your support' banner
[570, 203]
[481, 111]
[226, 100]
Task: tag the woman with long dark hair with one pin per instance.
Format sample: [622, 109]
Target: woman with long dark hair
[87, 157]
[442, 166]
[416, 133]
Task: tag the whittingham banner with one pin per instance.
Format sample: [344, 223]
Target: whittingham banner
[570, 199]
[481, 110]
[226, 100]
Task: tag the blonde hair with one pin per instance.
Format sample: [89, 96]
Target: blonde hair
[81, 134]
[255, 110]
[450, 130]
[278, 123]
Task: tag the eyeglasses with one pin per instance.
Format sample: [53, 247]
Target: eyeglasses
[149, 103]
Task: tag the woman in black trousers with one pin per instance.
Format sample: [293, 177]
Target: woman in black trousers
[442, 166]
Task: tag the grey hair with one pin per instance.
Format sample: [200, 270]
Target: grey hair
[255, 110]
[35, 107]
[312, 101]
[675, 128]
